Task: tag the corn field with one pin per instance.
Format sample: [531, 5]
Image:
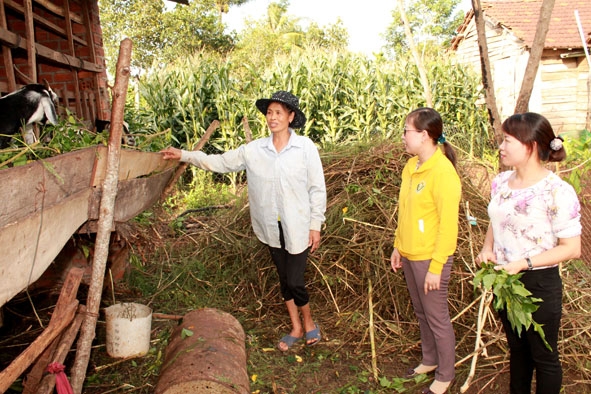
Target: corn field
[346, 98]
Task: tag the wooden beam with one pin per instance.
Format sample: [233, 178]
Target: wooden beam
[57, 10]
[100, 105]
[70, 38]
[183, 166]
[40, 21]
[65, 344]
[15, 41]
[30, 44]
[63, 314]
[7, 53]
[67, 296]
[22, 362]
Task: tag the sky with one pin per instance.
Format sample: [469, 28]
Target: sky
[365, 20]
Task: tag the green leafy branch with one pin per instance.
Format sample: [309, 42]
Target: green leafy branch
[512, 296]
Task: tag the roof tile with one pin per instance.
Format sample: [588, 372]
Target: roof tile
[521, 18]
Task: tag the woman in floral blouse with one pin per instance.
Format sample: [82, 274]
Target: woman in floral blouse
[534, 225]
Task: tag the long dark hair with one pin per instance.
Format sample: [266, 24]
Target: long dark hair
[426, 118]
[534, 130]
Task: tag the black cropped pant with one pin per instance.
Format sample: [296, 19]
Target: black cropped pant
[291, 268]
[528, 352]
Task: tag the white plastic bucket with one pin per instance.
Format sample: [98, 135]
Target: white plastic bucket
[128, 330]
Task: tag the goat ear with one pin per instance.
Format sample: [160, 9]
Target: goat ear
[49, 110]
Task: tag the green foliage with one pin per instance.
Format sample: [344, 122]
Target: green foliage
[207, 191]
[186, 333]
[160, 35]
[432, 22]
[69, 134]
[278, 34]
[511, 296]
[578, 159]
[398, 384]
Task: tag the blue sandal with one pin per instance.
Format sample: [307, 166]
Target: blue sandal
[314, 334]
[289, 341]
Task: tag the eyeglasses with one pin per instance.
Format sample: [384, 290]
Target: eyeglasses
[405, 130]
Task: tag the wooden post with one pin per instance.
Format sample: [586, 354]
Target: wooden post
[247, 131]
[105, 222]
[7, 53]
[183, 166]
[31, 49]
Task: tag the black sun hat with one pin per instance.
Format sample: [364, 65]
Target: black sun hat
[291, 101]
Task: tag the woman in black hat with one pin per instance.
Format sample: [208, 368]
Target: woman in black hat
[287, 197]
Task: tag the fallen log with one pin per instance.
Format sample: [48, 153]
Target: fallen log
[206, 354]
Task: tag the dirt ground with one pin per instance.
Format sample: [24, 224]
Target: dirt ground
[337, 365]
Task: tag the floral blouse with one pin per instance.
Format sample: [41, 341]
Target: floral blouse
[529, 221]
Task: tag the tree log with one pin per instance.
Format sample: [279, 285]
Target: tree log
[206, 354]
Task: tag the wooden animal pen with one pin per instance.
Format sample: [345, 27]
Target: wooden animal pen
[59, 41]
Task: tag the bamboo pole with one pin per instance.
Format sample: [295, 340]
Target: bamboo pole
[485, 300]
[372, 337]
[105, 221]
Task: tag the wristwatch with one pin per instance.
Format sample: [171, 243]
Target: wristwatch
[530, 266]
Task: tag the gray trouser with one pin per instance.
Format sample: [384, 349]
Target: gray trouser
[438, 340]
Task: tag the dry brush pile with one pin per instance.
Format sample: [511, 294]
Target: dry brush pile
[357, 298]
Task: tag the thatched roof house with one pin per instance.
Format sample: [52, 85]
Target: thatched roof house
[560, 90]
[58, 41]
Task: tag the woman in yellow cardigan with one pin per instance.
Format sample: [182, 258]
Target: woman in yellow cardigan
[426, 238]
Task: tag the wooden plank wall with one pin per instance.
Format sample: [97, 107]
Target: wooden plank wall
[564, 89]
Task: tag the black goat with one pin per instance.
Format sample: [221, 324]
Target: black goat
[33, 103]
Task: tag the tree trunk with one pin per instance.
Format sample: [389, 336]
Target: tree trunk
[206, 354]
[487, 81]
[416, 56]
[105, 222]
[535, 56]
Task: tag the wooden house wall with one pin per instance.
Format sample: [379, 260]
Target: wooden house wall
[564, 87]
[68, 52]
[560, 90]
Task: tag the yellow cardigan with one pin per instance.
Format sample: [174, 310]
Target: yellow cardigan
[428, 208]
